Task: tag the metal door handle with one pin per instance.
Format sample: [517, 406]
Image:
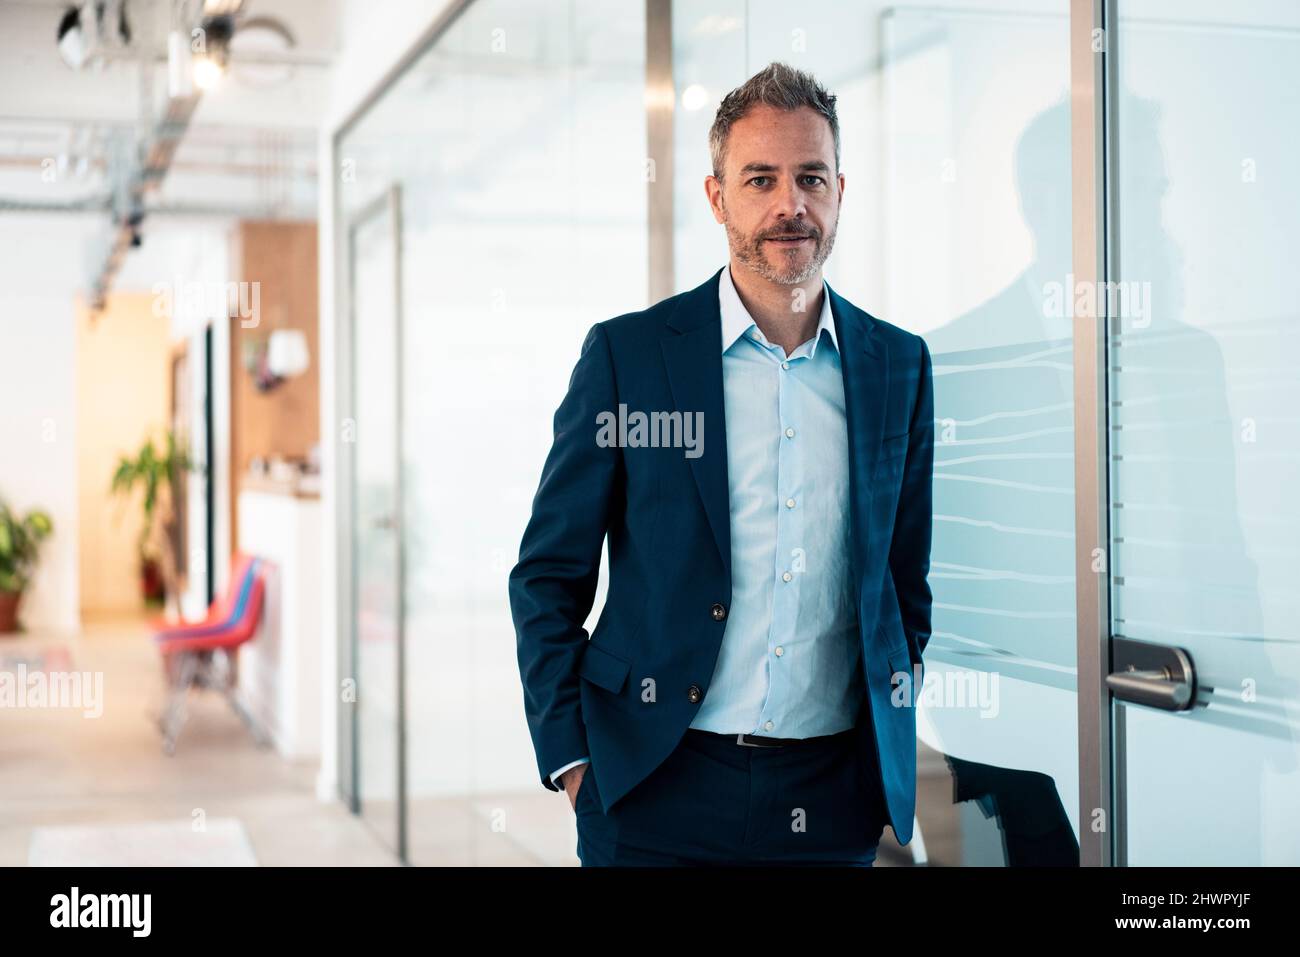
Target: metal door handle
[1159, 676]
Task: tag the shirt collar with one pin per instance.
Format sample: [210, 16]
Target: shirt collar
[736, 320]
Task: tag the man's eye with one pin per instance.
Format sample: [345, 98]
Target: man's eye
[755, 180]
[815, 179]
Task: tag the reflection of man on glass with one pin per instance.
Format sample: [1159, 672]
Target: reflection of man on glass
[734, 703]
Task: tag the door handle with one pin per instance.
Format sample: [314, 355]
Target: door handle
[1158, 676]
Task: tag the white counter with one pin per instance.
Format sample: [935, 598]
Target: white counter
[280, 669]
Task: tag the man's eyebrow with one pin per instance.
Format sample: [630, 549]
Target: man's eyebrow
[810, 165]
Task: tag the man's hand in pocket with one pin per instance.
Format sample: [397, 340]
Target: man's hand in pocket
[572, 780]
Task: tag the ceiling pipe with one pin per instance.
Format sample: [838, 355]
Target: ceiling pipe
[129, 211]
[155, 156]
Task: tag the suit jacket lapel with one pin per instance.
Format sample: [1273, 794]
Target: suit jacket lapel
[694, 362]
[864, 361]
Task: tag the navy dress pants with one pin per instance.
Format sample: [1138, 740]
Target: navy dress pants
[715, 802]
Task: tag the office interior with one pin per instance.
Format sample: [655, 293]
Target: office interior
[290, 290]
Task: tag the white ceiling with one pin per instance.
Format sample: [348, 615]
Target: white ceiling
[35, 82]
[249, 146]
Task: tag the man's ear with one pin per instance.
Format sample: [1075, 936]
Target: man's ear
[713, 190]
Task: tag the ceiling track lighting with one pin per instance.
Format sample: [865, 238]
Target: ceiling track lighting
[87, 29]
[211, 48]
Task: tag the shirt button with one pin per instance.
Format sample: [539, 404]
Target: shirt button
[767, 726]
[779, 651]
[787, 577]
[719, 612]
[785, 365]
[789, 433]
[789, 503]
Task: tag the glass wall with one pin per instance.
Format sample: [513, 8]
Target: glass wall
[518, 141]
[977, 184]
[955, 224]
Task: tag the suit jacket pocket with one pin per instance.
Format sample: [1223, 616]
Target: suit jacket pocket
[892, 446]
[583, 786]
[603, 669]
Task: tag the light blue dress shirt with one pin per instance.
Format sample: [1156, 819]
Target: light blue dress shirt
[789, 662]
[788, 666]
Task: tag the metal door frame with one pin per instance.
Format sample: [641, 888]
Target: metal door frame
[388, 202]
[1092, 117]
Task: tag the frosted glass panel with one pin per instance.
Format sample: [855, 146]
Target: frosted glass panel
[977, 186]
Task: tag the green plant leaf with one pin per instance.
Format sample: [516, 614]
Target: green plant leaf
[39, 524]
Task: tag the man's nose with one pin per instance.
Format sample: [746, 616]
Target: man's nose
[790, 200]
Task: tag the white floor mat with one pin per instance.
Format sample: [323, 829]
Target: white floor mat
[223, 843]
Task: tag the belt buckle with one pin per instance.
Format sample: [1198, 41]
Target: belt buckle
[740, 739]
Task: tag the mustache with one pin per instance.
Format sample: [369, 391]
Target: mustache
[788, 233]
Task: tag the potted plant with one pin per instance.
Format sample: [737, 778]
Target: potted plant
[158, 473]
[19, 541]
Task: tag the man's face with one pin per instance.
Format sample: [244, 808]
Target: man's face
[780, 194]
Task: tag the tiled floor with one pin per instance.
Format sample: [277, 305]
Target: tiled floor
[60, 767]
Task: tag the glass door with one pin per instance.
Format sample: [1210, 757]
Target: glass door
[1204, 343]
[375, 256]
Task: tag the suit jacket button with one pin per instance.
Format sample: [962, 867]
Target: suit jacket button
[694, 694]
[719, 612]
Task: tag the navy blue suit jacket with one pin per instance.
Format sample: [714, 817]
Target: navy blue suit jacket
[626, 696]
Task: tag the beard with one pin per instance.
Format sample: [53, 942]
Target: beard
[749, 250]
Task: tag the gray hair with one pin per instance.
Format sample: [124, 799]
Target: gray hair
[776, 85]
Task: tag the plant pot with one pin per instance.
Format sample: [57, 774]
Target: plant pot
[9, 611]
[151, 582]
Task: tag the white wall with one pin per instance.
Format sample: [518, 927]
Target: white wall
[39, 275]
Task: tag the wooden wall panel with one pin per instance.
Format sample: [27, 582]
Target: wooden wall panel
[281, 257]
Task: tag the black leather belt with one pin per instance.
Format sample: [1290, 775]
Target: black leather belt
[758, 741]
[755, 741]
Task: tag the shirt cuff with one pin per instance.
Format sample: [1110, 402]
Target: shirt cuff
[571, 764]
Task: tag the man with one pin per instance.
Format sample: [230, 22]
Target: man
[757, 452]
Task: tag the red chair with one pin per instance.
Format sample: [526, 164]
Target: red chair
[220, 609]
[205, 653]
